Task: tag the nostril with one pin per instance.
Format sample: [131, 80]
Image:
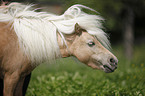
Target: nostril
[112, 60]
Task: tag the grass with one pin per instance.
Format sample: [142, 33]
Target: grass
[69, 77]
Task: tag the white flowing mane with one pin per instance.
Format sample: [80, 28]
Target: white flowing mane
[37, 31]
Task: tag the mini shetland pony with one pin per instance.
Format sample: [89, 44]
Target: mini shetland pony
[28, 38]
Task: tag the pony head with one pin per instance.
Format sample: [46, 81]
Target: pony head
[87, 49]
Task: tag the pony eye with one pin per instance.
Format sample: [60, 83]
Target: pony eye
[91, 44]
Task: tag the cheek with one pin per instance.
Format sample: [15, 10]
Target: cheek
[82, 54]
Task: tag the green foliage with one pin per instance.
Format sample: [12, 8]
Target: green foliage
[71, 78]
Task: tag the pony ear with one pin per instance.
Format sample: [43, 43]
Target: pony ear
[78, 32]
[78, 29]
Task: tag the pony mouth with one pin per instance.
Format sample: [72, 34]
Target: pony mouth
[108, 68]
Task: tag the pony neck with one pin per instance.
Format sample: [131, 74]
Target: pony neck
[64, 49]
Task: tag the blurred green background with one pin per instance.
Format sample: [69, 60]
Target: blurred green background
[125, 24]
